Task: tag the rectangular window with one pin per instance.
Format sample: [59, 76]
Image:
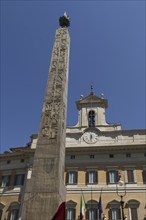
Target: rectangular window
[92, 177]
[91, 156]
[19, 179]
[72, 157]
[144, 176]
[72, 177]
[5, 180]
[130, 176]
[112, 176]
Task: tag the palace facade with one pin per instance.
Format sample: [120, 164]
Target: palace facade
[101, 159]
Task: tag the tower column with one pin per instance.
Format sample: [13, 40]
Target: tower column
[45, 190]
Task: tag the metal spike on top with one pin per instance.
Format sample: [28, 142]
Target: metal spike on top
[92, 90]
[64, 20]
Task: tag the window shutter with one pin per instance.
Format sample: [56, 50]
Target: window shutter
[87, 214]
[116, 176]
[74, 214]
[12, 178]
[9, 214]
[67, 178]
[1, 212]
[15, 182]
[22, 180]
[134, 214]
[96, 213]
[119, 213]
[66, 214]
[87, 177]
[9, 178]
[96, 176]
[76, 177]
[130, 176]
[144, 176]
[107, 177]
[0, 178]
[110, 214]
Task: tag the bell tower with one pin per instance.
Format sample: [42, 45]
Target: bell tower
[45, 189]
[92, 110]
[92, 113]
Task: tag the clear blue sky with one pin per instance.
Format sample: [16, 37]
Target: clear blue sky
[107, 50]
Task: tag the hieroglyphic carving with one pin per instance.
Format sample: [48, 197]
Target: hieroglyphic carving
[54, 65]
[48, 106]
[45, 131]
[55, 53]
[51, 139]
[58, 79]
[63, 116]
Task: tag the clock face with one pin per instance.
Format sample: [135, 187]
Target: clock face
[90, 137]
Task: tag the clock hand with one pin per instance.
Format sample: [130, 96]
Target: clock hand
[90, 136]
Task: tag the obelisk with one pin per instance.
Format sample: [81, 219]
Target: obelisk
[45, 190]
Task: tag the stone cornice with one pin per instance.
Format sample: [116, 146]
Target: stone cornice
[133, 131]
[18, 154]
[105, 148]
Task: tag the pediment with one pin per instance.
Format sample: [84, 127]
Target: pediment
[92, 99]
[71, 204]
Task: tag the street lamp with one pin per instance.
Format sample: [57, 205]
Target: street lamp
[121, 194]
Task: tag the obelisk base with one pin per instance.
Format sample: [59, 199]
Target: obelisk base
[37, 199]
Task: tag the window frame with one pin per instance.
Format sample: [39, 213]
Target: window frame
[114, 205]
[144, 176]
[15, 216]
[71, 205]
[91, 119]
[91, 176]
[115, 213]
[22, 179]
[71, 211]
[92, 206]
[130, 176]
[111, 172]
[13, 208]
[1, 209]
[133, 206]
[7, 182]
[71, 180]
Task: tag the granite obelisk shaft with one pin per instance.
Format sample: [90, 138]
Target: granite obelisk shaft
[45, 190]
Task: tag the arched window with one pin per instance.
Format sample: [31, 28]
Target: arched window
[92, 210]
[91, 118]
[114, 210]
[1, 210]
[71, 210]
[13, 211]
[133, 207]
